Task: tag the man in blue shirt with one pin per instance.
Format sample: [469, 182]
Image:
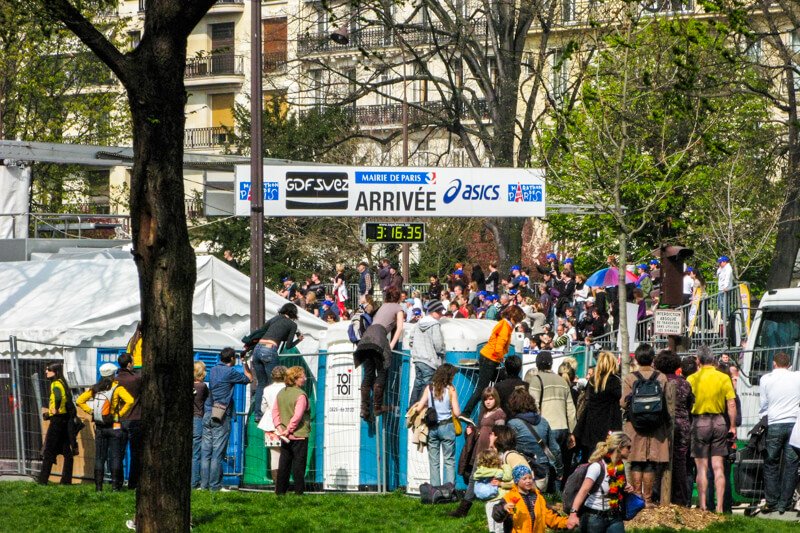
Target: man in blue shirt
[216, 432]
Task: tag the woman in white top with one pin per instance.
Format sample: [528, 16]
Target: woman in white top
[602, 507]
[441, 396]
[271, 439]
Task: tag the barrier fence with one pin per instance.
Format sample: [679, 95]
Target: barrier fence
[345, 452]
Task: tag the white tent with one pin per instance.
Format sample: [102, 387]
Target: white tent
[70, 307]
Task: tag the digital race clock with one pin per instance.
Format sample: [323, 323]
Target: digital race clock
[393, 232]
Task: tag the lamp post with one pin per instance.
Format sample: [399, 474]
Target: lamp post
[256, 172]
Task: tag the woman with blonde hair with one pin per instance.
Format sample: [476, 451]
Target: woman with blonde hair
[601, 412]
[340, 289]
[291, 416]
[600, 502]
[200, 394]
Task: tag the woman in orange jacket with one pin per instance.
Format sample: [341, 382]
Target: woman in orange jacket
[526, 506]
[493, 353]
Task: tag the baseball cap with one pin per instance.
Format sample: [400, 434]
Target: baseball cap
[417, 311]
[459, 272]
[569, 261]
[108, 369]
[409, 300]
[689, 269]
[544, 359]
[483, 293]
[522, 279]
[512, 292]
[287, 278]
[654, 261]
[642, 266]
[515, 267]
[551, 256]
[327, 302]
[723, 259]
[435, 306]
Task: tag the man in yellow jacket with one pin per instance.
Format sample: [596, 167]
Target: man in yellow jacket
[526, 506]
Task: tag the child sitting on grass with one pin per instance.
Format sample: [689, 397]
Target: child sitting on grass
[488, 475]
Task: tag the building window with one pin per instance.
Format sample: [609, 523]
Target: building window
[134, 38]
[322, 20]
[317, 96]
[668, 6]
[568, 10]
[560, 74]
[275, 37]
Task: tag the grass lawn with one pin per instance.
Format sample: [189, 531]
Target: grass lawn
[27, 507]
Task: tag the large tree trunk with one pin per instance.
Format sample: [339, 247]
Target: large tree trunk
[787, 242]
[167, 273]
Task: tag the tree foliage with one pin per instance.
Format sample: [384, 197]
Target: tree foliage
[52, 89]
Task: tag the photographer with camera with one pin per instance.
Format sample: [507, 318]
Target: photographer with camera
[282, 328]
[217, 418]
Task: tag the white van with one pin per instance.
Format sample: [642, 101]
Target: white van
[776, 328]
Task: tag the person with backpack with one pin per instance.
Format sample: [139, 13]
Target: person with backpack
[647, 422]
[106, 402]
[534, 439]
[280, 329]
[60, 413]
[427, 348]
[594, 494]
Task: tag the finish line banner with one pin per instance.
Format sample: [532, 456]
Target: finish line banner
[395, 191]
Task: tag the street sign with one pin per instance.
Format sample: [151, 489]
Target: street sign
[668, 322]
[393, 232]
[395, 191]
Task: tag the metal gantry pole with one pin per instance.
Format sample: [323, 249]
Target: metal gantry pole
[19, 439]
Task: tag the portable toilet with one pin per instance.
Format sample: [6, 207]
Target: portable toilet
[463, 340]
[342, 425]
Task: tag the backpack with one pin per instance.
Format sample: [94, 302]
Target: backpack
[430, 494]
[648, 407]
[101, 406]
[574, 483]
[358, 325]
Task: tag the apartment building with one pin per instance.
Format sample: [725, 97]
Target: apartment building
[439, 65]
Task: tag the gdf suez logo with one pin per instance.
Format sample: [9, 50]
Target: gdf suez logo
[470, 192]
[316, 190]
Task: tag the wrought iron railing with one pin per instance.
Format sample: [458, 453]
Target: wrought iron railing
[382, 37]
[222, 64]
[206, 137]
[274, 62]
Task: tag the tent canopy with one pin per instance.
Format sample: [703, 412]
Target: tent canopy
[95, 302]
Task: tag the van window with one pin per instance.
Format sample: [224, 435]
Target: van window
[778, 332]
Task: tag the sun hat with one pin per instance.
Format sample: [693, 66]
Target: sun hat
[108, 369]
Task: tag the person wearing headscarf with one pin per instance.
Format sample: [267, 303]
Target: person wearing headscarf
[525, 507]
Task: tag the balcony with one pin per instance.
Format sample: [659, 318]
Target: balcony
[418, 113]
[222, 7]
[215, 69]
[274, 62]
[379, 37]
[214, 137]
